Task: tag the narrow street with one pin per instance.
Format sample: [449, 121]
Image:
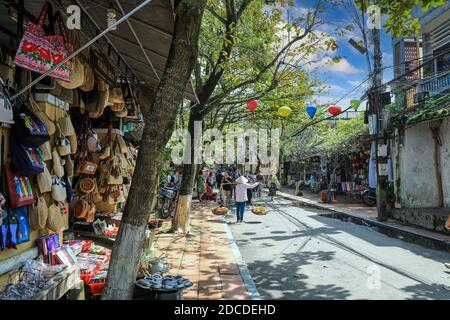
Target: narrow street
[296, 253]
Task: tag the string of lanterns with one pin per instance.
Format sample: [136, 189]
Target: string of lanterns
[311, 110]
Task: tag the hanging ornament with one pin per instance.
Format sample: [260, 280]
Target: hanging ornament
[252, 105]
[334, 110]
[111, 16]
[355, 104]
[311, 111]
[284, 112]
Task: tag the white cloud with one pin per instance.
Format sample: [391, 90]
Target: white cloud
[343, 66]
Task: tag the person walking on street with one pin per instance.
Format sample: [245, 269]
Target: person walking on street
[200, 185]
[274, 184]
[227, 187]
[242, 185]
[260, 179]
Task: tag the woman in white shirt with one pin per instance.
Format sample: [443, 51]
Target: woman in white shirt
[241, 196]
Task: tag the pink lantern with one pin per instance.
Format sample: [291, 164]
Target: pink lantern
[334, 110]
[252, 105]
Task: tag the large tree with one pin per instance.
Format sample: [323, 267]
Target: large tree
[159, 125]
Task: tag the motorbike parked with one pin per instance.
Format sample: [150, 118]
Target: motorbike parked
[369, 196]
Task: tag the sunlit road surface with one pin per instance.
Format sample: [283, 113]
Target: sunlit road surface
[297, 253]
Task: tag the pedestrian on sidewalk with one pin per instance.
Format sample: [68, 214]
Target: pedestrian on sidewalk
[260, 179]
[242, 186]
[227, 187]
[274, 184]
[200, 185]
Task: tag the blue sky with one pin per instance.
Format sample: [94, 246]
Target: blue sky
[352, 69]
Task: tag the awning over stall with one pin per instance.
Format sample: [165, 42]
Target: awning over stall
[142, 42]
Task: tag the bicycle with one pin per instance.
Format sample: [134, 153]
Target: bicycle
[168, 200]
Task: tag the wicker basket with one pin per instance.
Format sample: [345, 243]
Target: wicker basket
[259, 211]
[220, 211]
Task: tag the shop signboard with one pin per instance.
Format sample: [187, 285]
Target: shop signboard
[103, 68]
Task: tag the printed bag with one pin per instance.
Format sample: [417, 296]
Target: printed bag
[19, 188]
[29, 130]
[39, 52]
[27, 161]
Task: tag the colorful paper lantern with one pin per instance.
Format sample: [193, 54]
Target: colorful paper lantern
[252, 105]
[334, 110]
[284, 112]
[355, 104]
[311, 111]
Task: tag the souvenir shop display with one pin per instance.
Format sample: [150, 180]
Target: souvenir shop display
[66, 163]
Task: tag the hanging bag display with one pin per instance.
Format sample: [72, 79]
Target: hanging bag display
[69, 167]
[59, 192]
[58, 168]
[41, 115]
[39, 52]
[23, 227]
[46, 151]
[19, 188]
[63, 146]
[66, 126]
[26, 161]
[54, 220]
[28, 128]
[42, 210]
[44, 181]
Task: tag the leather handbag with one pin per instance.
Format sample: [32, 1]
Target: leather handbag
[39, 52]
[59, 192]
[86, 167]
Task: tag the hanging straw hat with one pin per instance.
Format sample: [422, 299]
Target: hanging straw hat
[241, 180]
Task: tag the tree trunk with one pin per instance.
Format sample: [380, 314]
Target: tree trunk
[181, 220]
[160, 121]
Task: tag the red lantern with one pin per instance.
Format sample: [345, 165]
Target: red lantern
[334, 110]
[251, 105]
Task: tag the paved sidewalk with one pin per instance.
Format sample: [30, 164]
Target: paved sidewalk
[369, 215]
[205, 257]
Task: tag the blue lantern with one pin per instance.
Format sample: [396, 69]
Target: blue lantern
[311, 111]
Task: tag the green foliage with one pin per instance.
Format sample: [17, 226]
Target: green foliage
[400, 21]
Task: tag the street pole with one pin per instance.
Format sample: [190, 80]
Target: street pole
[375, 99]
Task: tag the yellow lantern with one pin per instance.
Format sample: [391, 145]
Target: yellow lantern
[284, 112]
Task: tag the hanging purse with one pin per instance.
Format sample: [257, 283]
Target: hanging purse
[46, 151]
[40, 52]
[19, 188]
[42, 210]
[86, 167]
[58, 168]
[26, 161]
[122, 145]
[41, 115]
[29, 130]
[66, 126]
[54, 220]
[23, 227]
[69, 167]
[63, 146]
[59, 192]
[44, 181]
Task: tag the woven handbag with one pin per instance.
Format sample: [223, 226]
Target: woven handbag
[44, 181]
[66, 125]
[59, 192]
[58, 168]
[54, 220]
[42, 210]
[40, 52]
[46, 151]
